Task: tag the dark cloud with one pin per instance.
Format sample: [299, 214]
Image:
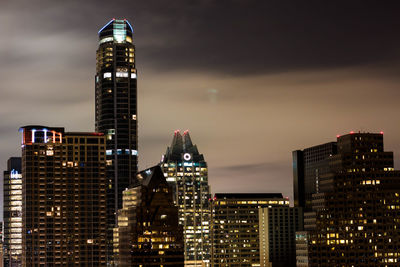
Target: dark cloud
[234, 37]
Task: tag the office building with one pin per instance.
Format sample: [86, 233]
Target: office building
[277, 228]
[64, 197]
[12, 213]
[308, 167]
[116, 111]
[302, 238]
[357, 208]
[235, 227]
[2, 255]
[148, 232]
[186, 171]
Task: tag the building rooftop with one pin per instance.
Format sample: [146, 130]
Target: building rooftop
[182, 144]
[247, 195]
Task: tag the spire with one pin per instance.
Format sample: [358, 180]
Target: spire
[177, 143]
[176, 148]
[187, 140]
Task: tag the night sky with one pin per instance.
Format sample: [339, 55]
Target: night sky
[251, 80]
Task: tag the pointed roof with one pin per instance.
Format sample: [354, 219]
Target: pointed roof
[151, 177]
[181, 145]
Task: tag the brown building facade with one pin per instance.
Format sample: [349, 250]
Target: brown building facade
[358, 207]
[64, 197]
[235, 227]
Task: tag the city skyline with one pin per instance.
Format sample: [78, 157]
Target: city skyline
[251, 88]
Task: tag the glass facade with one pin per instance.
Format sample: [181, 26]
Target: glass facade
[186, 171]
[116, 112]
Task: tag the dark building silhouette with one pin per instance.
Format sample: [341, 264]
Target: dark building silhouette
[308, 167]
[116, 111]
[64, 197]
[186, 171]
[357, 207]
[12, 213]
[148, 232]
[277, 228]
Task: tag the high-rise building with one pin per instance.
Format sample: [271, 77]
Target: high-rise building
[12, 213]
[235, 227]
[302, 238]
[148, 231]
[357, 208]
[1, 255]
[116, 111]
[186, 171]
[277, 228]
[64, 197]
[308, 167]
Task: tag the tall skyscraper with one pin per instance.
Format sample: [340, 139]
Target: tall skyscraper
[277, 228]
[358, 206]
[64, 197]
[148, 232]
[116, 110]
[12, 213]
[235, 227]
[186, 171]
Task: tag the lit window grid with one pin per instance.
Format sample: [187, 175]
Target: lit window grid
[13, 223]
[235, 230]
[190, 181]
[65, 160]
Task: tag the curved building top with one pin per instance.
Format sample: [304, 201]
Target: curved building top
[116, 30]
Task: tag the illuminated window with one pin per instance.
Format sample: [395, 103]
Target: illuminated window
[121, 74]
[119, 31]
[133, 75]
[107, 75]
[106, 39]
